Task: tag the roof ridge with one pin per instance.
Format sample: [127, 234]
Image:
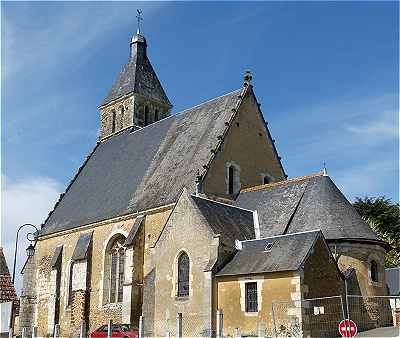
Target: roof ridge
[283, 235]
[209, 100]
[166, 118]
[280, 183]
[225, 204]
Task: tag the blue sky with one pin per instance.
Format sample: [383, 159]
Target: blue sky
[326, 74]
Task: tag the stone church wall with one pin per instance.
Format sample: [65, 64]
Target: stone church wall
[98, 314]
[359, 256]
[87, 302]
[28, 296]
[247, 146]
[184, 232]
[231, 300]
[320, 266]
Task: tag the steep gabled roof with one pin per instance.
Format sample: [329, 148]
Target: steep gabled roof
[138, 76]
[230, 222]
[146, 168]
[287, 253]
[7, 289]
[302, 204]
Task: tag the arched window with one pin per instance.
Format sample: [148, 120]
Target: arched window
[374, 271]
[266, 179]
[146, 115]
[183, 275]
[114, 270]
[114, 116]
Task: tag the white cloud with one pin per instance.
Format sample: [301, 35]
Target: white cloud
[367, 179]
[74, 31]
[383, 127]
[24, 201]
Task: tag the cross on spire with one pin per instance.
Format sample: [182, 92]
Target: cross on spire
[139, 18]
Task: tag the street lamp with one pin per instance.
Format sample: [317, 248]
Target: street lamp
[31, 236]
[30, 250]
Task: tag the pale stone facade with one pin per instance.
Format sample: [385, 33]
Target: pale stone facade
[233, 151]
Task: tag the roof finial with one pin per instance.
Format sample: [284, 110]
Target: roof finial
[324, 171]
[247, 78]
[139, 18]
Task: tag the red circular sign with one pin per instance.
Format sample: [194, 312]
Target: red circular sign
[347, 328]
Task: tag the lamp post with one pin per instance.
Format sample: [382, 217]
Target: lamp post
[30, 250]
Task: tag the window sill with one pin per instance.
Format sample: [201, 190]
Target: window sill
[182, 298]
[112, 306]
[376, 284]
[251, 314]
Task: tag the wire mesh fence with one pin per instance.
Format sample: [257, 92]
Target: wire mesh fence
[317, 317]
[371, 312]
[186, 326]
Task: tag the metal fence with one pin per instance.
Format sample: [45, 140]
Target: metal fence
[181, 326]
[371, 312]
[317, 317]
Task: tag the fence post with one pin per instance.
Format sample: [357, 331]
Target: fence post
[179, 325]
[24, 332]
[57, 331]
[237, 333]
[347, 299]
[34, 332]
[109, 329]
[273, 318]
[141, 328]
[82, 333]
[261, 329]
[220, 318]
[342, 306]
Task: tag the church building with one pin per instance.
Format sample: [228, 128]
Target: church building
[190, 213]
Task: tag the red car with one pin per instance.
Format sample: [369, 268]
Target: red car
[118, 331]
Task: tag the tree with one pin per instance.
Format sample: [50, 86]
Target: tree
[383, 217]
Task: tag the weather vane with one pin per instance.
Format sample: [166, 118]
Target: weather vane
[139, 18]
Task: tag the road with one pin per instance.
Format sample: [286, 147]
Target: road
[382, 332]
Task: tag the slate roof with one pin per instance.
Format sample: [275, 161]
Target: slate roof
[82, 246]
[7, 289]
[288, 252]
[132, 233]
[302, 204]
[138, 76]
[230, 222]
[57, 255]
[143, 169]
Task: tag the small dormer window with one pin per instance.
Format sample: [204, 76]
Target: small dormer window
[268, 247]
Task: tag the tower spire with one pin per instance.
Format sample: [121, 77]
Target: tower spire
[139, 18]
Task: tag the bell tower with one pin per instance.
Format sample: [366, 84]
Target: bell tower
[136, 98]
